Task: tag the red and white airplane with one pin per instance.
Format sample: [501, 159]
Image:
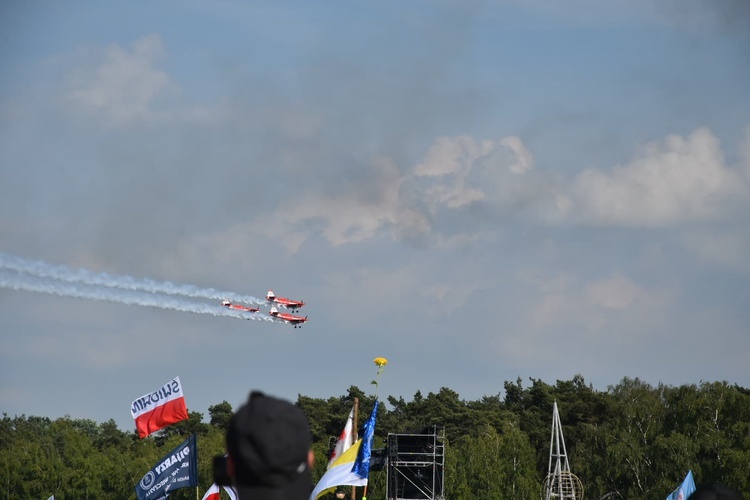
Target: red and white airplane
[239, 307]
[288, 318]
[283, 301]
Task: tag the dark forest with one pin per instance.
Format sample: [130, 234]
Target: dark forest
[631, 441]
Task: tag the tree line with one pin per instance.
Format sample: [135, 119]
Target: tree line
[632, 441]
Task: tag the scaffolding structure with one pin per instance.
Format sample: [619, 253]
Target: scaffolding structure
[416, 464]
[560, 483]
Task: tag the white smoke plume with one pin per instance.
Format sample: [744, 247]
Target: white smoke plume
[65, 274]
[30, 276]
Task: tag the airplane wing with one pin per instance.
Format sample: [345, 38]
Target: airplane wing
[239, 307]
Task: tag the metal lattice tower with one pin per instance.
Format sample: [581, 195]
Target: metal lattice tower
[560, 482]
[416, 465]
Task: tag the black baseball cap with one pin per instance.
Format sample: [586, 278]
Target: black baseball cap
[268, 440]
[715, 491]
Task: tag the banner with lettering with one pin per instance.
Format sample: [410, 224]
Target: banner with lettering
[178, 469]
[163, 407]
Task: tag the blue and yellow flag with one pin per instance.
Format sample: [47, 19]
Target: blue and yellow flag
[353, 467]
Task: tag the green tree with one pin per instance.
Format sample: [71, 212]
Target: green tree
[184, 428]
[518, 464]
[220, 414]
[640, 416]
[633, 439]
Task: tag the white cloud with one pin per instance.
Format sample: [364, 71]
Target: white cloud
[464, 170]
[452, 155]
[123, 85]
[669, 182]
[455, 172]
[562, 319]
[595, 304]
[448, 163]
[352, 216]
[524, 159]
[616, 292]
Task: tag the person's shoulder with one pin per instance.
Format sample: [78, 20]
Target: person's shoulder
[715, 491]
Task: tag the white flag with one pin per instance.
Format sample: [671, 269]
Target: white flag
[213, 493]
[340, 474]
[231, 492]
[345, 439]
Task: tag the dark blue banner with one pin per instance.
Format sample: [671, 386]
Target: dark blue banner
[178, 469]
[361, 465]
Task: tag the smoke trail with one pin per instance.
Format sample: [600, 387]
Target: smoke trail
[42, 269]
[24, 282]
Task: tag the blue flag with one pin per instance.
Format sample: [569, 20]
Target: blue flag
[361, 466]
[685, 489]
[178, 469]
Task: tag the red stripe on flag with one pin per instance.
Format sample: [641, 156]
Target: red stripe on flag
[161, 416]
[213, 493]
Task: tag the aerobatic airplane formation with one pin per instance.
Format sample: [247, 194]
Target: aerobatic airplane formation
[271, 298]
[17, 273]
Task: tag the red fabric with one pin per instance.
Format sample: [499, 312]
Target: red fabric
[213, 493]
[161, 416]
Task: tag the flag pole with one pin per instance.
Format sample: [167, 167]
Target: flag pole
[381, 362]
[355, 427]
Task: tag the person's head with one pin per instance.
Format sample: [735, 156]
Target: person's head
[340, 494]
[269, 447]
[715, 491]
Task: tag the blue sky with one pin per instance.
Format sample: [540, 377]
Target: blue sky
[477, 191]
